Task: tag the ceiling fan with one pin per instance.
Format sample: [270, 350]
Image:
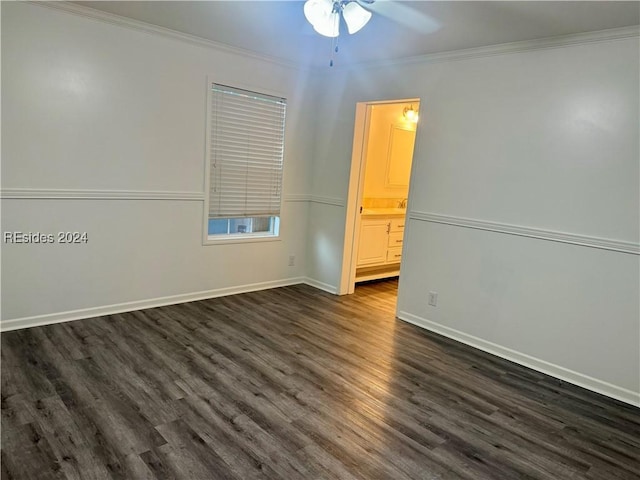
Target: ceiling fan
[324, 15]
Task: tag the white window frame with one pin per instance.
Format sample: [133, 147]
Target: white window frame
[233, 237]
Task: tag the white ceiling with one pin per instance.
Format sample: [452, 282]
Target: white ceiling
[398, 29]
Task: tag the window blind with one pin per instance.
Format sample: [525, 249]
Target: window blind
[246, 151]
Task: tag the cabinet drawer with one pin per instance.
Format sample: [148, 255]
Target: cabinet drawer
[395, 239]
[397, 224]
[394, 255]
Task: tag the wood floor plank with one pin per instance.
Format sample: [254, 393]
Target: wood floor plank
[293, 383]
[26, 453]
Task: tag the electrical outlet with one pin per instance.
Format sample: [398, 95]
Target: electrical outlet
[292, 260]
[433, 298]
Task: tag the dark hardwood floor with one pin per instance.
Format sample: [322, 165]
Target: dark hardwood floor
[292, 383]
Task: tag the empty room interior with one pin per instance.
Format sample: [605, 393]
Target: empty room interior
[322, 239]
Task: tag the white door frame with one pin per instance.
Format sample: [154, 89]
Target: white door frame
[354, 194]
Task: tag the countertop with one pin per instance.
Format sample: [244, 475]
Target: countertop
[383, 211]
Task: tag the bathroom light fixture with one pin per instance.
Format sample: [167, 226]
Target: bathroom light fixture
[324, 15]
[410, 114]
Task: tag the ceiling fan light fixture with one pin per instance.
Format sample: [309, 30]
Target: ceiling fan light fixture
[316, 9]
[410, 114]
[328, 26]
[355, 16]
[324, 18]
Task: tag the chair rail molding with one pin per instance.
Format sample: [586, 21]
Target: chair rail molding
[620, 246]
[75, 194]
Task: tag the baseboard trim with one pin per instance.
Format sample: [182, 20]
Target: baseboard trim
[61, 317]
[590, 383]
[321, 286]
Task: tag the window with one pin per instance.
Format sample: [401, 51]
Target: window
[244, 164]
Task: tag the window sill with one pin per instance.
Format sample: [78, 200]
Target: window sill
[241, 238]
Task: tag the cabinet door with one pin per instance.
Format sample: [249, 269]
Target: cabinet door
[374, 237]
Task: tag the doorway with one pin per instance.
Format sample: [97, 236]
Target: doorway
[384, 139]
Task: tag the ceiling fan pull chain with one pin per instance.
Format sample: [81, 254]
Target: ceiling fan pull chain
[334, 49]
[331, 55]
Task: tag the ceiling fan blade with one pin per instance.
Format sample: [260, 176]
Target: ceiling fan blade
[405, 15]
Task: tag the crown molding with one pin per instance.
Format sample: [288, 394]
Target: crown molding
[138, 25]
[449, 56]
[559, 41]
[531, 232]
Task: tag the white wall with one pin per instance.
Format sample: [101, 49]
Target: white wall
[542, 143]
[92, 109]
